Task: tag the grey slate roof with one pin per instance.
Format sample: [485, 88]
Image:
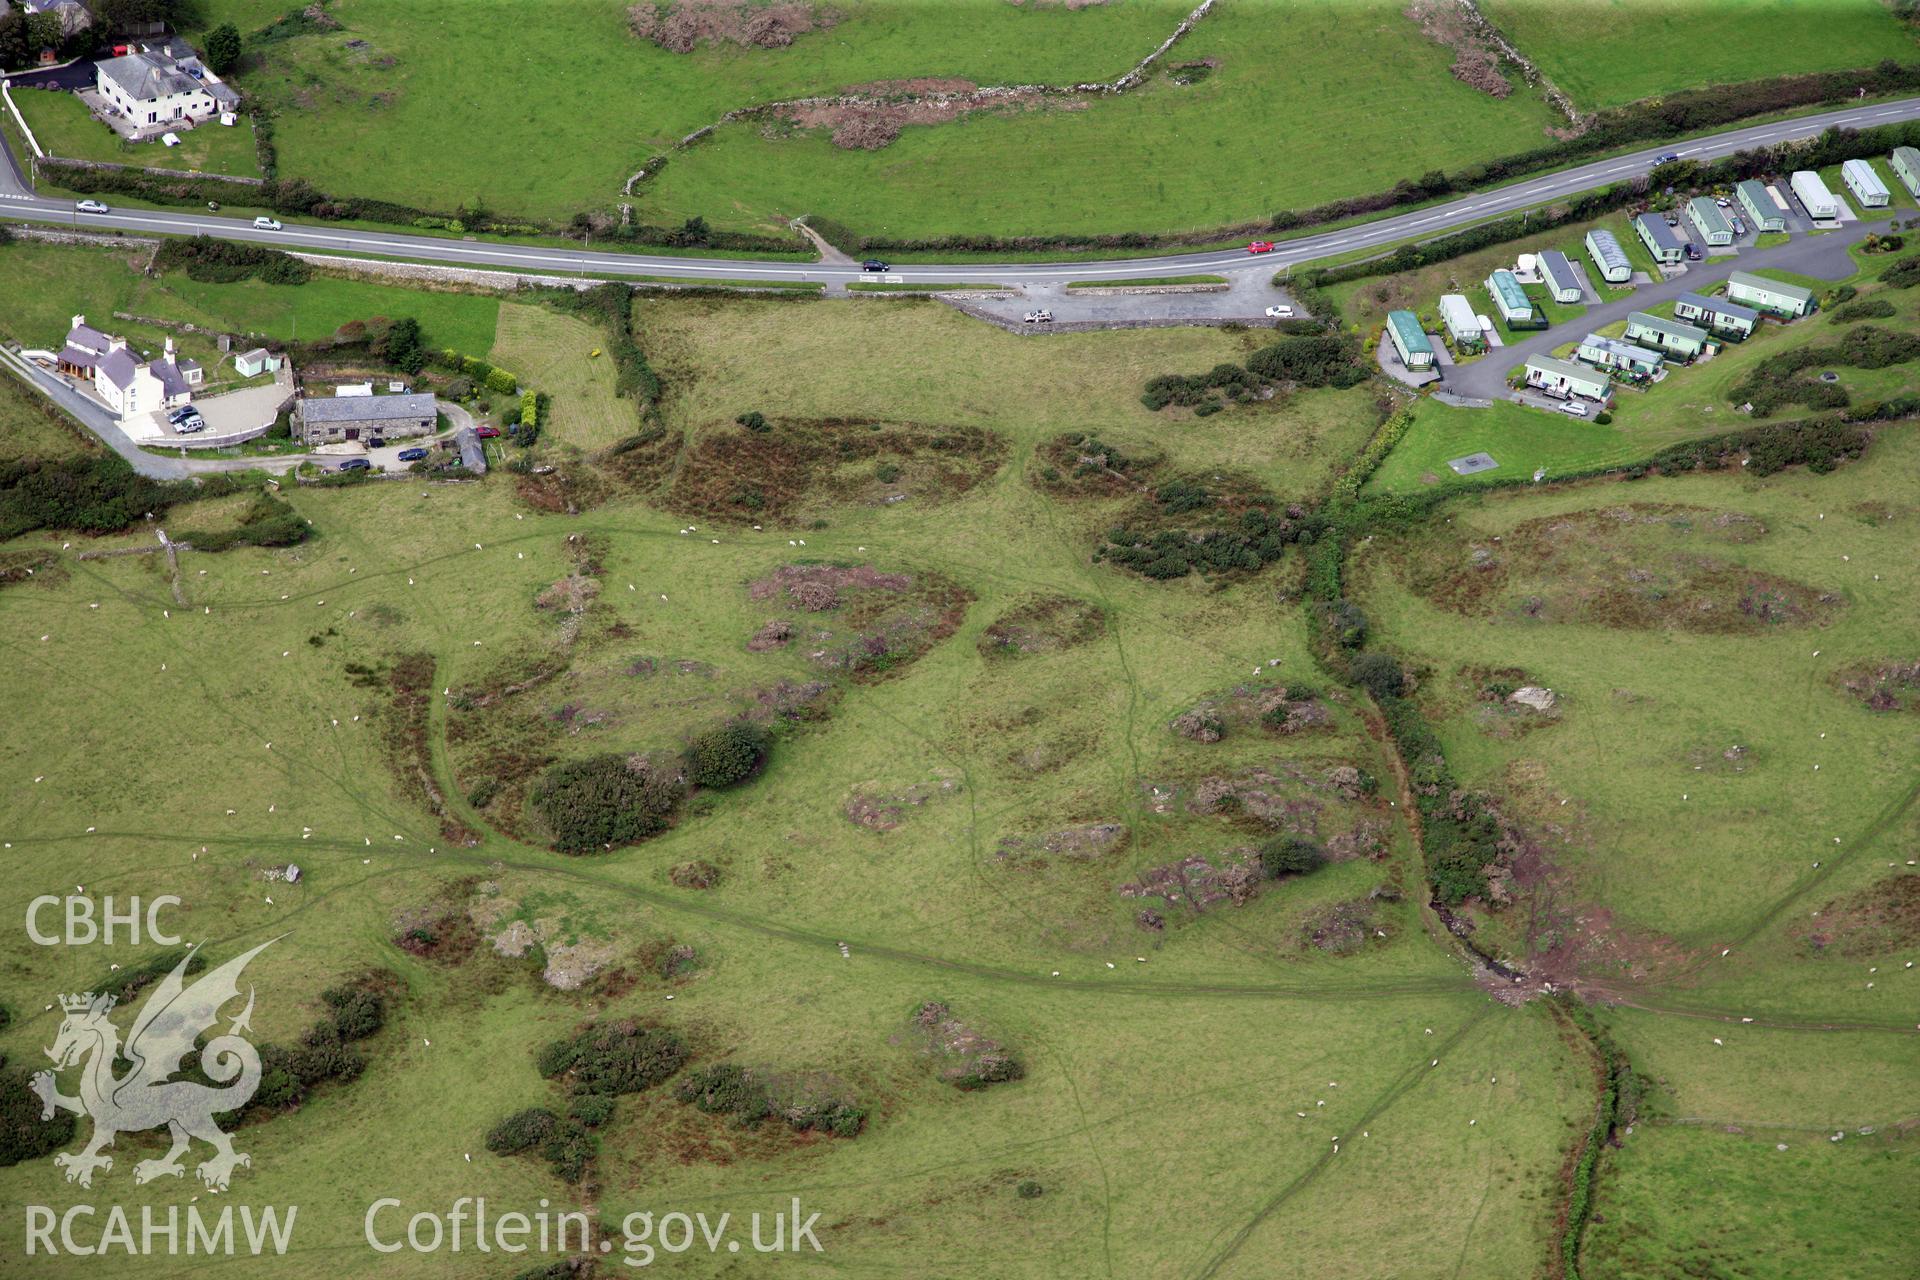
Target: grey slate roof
[119, 367]
[85, 335]
[172, 381]
[366, 408]
[473, 456]
[145, 77]
[78, 358]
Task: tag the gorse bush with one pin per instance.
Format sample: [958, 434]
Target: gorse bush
[1774, 382]
[751, 1095]
[726, 755]
[522, 1130]
[610, 1060]
[604, 800]
[1291, 856]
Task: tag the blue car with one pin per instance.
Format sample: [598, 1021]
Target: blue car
[413, 454]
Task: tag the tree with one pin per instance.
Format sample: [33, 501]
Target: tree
[400, 346]
[14, 50]
[223, 48]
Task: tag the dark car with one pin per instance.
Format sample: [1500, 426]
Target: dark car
[874, 264]
[356, 464]
[1668, 158]
[486, 433]
[1693, 252]
[412, 455]
[376, 442]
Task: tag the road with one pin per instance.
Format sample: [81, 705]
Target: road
[18, 202]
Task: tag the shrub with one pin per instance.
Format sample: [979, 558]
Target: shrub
[604, 800]
[1379, 674]
[751, 1095]
[1030, 1190]
[1603, 418]
[23, 1134]
[591, 1109]
[1870, 309]
[726, 755]
[610, 1060]
[754, 420]
[1291, 856]
[521, 1131]
[358, 1011]
[1318, 360]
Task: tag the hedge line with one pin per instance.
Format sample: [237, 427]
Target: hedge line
[213, 261]
[611, 307]
[1618, 1073]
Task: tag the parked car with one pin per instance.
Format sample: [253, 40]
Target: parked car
[874, 264]
[1723, 202]
[1574, 408]
[1260, 246]
[188, 426]
[355, 464]
[184, 411]
[414, 454]
[89, 206]
[1038, 317]
[264, 223]
[1739, 225]
[376, 442]
[1693, 251]
[1280, 311]
[486, 433]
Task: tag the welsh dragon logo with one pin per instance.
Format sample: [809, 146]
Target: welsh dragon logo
[147, 1096]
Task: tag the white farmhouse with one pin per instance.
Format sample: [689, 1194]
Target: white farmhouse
[126, 384]
[149, 89]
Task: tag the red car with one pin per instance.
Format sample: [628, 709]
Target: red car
[486, 433]
[1260, 246]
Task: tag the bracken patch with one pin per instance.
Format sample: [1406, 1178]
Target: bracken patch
[803, 465]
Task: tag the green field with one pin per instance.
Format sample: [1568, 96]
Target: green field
[1757, 1043]
[1255, 141]
[1609, 52]
[64, 128]
[980, 817]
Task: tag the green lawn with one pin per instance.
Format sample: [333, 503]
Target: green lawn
[1609, 52]
[563, 358]
[65, 128]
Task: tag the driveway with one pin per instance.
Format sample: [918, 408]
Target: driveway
[1823, 257]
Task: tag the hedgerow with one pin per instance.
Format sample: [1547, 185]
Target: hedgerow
[213, 261]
